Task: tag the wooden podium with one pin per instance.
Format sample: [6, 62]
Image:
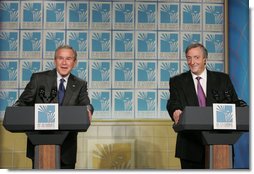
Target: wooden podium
[47, 142]
[218, 142]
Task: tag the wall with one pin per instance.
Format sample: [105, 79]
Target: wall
[153, 146]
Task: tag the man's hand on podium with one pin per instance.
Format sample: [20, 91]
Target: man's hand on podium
[176, 115]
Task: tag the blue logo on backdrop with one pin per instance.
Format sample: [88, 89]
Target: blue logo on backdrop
[168, 69]
[146, 13]
[214, 15]
[78, 12]
[49, 65]
[169, 13]
[32, 12]
[215, 66]
[81, 70]
[8, 71]
[146, 71]
[7, 98]
[214, 43]
[78, 40]
[55, 12]
[31, 41]
[169, 42]
[100, 71]
[46, 114]
[123, 101]
[146, 42]
[101, 42]
[189, 39]
[124, 13]
[54, 40]
[123, 71]
[28, 68]
[191, 14]
[164, 96]
[101, 12]
[124, 42]
[9, 12]
[146, 101]
[8, 41]
[101, 101]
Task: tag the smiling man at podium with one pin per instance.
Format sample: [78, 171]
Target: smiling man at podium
[62, 87]
[196, 87]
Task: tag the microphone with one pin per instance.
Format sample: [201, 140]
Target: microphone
[216, 95]
[53, 94]
[228, 98]
[42, 93]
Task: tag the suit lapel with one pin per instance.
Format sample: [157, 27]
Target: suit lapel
[71, 86]
[190, 91]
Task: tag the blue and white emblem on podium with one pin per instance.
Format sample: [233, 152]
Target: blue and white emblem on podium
[46, 116]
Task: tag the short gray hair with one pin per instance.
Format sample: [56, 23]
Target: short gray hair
[196, 45]
[66, 47]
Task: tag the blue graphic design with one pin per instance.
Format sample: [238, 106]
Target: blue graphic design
[215, 66]
[78, 12]
[101, 101]
[101, 42]
[169, 42]
[147, 13]
[8, 71]
[167, 70]
[224, 114]
[191, 14]
[31, 41]
[123, 71]
[81, 70]
[46, 114]
[146, 42]
[54, 40]
[78, 40]
[100, 71]
[124, 13]
[190, 38]
[214, 15]
[101, 12]
[7, 98]
[215, 43]
[28, 68]
[169, 13]
[32, 12]
[55, 12]
[164, 96]
[124, 42]
[146, 101]
[9, 11]
[8, 41]
[146, 71]
[123, 101]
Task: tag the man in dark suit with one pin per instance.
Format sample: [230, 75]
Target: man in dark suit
[75, 94]
[217, 87]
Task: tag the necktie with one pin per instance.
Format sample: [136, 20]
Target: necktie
[201, 94]
[61, 91]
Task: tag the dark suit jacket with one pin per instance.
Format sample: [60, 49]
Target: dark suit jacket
[75, 94]
[182, 93]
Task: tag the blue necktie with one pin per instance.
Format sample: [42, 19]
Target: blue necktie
[61, 91]
[201, 94]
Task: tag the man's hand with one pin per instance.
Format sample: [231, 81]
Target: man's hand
[89, 115]
[176, 115]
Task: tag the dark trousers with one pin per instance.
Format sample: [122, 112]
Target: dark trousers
[186, 164]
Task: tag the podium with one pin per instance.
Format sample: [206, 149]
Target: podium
[218, 142]
[47, 142]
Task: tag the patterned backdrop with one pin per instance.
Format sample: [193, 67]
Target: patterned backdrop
[127, 50]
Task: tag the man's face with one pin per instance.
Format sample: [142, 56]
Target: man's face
[196, 60]
[64, 61]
